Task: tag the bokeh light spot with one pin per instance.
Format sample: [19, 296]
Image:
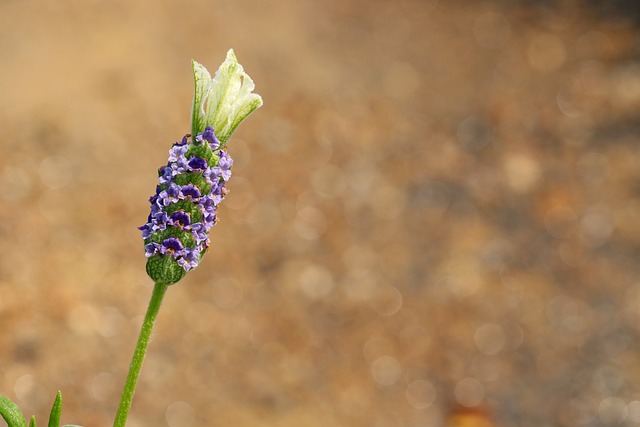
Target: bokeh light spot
[83, 319]
[310, 223]
[102, 386]
[180, 414]
[316, 281]
[522, 171]
[420, 394]
[24, 386]
[386, 370]
[55, 171]
[469, 392]
[612, 411]
[633, 412]
[489, 338]
[596, 226]
[328, 181]
[376, 347]
[387, 300]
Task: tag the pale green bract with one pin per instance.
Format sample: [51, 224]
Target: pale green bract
[223, 101]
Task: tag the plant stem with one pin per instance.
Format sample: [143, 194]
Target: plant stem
[138, 356]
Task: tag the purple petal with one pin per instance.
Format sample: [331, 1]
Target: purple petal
[171, 245]
[196, 163]
[180, 218]
[210, 136]
[191, 190]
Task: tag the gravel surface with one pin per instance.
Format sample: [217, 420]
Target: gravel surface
[433, 220]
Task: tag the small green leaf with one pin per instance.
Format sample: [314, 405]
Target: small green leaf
[32, 423]
[56, 411]
[11, 413]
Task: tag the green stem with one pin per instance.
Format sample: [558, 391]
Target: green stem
[138, 356]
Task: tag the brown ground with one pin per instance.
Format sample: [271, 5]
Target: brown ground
[436, 209]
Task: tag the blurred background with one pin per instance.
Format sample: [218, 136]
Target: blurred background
[433, 220]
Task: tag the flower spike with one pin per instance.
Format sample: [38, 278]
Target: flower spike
[193, 183]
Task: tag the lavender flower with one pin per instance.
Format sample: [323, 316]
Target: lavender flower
[183, 210]
[192, 184]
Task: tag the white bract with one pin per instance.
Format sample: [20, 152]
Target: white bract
[224, 100]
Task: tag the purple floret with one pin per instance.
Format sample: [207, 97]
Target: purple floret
[197, 164]
[190, 190]
[169, 192]
[225, 166]
[166, 174]
[189, 260]
[210, 137]
[172, 245]
[177, 152]
[180, 218]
